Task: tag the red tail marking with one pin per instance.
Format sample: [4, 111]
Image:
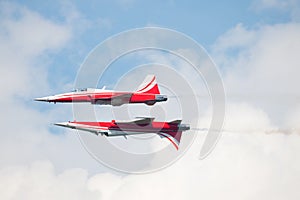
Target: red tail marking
[147, 84]
[173, 137]
[153, 90]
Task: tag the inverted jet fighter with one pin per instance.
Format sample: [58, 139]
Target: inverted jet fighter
[141, 125]
[148, 93]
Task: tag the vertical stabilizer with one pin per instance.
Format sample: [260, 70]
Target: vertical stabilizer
[173, 137]
[149, 85]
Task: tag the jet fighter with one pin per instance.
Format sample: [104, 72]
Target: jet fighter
[148, 93]
[141, 125]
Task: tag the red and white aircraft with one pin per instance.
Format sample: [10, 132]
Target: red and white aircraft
[142, 125]
[147, 93]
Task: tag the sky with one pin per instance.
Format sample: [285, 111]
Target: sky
[255, 46]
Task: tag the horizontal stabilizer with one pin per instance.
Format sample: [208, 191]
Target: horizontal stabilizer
[178, 121]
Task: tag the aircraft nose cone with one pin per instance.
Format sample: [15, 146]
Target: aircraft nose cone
[41, 99]
[63, 124]
[48, 99]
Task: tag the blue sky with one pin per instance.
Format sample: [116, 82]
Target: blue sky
[204, 21]
[93, 22]
[256, 45]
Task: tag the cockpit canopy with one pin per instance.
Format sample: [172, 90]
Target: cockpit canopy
[80, 90]
[88, 89]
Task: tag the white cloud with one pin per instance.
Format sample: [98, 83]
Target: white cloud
[291, 7]
[25, 37]
[243, 166]
[293, 118]
[263, 69]
[242, 118]
[40, 181]
[31, 34]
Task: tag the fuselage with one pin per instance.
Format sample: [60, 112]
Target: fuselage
[170, 130]
[100, 96]
[154, 127]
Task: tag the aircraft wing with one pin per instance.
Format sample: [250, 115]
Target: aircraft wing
[114, 96]
[115, 99]
[90, 128]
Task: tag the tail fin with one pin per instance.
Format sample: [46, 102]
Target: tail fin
[149, 85]
[173, 137]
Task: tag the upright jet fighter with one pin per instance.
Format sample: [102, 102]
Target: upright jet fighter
[141, 125]
[147, 93]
